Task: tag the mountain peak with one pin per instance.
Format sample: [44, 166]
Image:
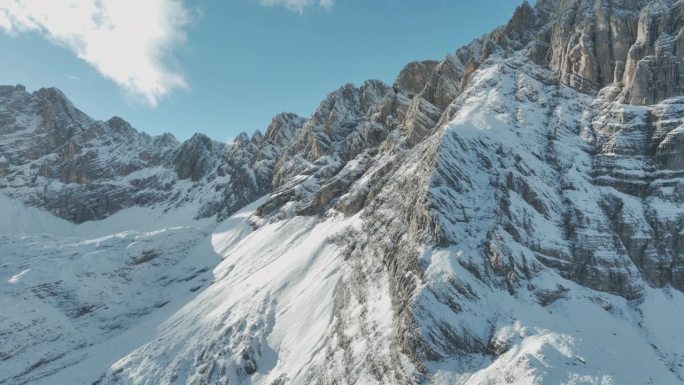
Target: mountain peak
[8, 89]
[523, 21]
[511, 214]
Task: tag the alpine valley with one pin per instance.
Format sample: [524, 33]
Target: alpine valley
[511, 214]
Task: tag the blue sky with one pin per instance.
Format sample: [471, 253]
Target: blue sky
[239, 62]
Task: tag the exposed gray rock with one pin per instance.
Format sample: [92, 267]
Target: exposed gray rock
[653, 71]
[415, 76]
[550, 147]
[104, 167]
[196, 157]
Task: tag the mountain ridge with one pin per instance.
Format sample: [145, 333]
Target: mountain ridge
[500, 216]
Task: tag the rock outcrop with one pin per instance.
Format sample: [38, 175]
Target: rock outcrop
[56, 157]
[533, 175]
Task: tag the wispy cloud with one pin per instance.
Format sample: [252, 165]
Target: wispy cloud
[128, 41]
[299, 5]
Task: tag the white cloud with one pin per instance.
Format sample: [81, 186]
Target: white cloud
[128, 41]
[299, 5]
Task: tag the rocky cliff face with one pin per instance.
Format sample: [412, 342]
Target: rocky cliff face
[57, 158]
[635, 43]
[498, 216]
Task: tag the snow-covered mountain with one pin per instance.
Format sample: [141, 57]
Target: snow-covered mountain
[512, 214]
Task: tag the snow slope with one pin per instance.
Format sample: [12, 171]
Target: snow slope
[511, 214]
[575, 336]
[69, 290]
[264, 296]
[265, 311]
[264, 318]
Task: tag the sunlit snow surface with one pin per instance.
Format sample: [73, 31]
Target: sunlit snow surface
[214, 299]
[70, 293]
[584, 337]
[74, 306]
